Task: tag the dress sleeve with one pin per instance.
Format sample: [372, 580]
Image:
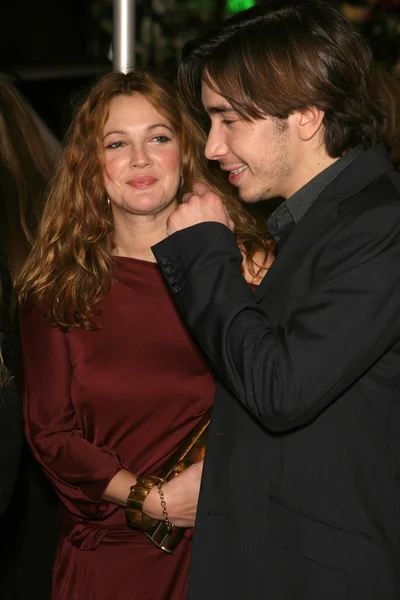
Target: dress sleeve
[78, 470]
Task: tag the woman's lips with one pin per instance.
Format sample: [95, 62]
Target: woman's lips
[142, 182]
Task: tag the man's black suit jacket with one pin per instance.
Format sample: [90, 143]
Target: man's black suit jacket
[300, 498]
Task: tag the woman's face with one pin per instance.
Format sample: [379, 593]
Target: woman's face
[142, 161]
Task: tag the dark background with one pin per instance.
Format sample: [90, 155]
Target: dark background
[53, 50]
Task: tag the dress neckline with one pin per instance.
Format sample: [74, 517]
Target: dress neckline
[131, 260]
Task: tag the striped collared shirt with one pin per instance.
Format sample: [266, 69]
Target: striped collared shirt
[284, 219]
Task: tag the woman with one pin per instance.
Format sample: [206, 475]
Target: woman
[10, 410]
[26, 165]
[113, 381]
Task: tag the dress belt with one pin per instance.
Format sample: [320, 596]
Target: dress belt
[89, 535]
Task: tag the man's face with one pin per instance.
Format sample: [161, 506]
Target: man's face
[259, 155]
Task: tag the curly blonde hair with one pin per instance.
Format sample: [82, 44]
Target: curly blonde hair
[71, 264]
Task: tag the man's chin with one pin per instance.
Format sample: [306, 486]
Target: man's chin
[253, 197]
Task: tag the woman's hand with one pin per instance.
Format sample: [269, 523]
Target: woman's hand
[181, 497]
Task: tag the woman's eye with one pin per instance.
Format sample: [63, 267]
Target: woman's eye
[227, 122]
[115, 145]
[161, 139]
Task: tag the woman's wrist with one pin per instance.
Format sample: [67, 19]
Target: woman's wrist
[163, 503]
[152, 505]
[136, 514]
[118, 488]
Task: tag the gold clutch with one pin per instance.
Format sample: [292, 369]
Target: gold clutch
[192, 450]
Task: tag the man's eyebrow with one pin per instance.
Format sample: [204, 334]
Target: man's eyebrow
[218, 108]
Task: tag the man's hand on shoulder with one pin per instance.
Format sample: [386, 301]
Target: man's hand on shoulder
[200, 206]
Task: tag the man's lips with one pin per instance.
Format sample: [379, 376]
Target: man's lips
[236, 174]
[229, 168]
[142, 182]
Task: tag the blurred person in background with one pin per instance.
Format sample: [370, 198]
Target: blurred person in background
[26, 165]
[10, 413]
[25, 169]
[387, 90]
[379, 22]
[113, 381]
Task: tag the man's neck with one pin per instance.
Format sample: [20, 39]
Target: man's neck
[310, 167]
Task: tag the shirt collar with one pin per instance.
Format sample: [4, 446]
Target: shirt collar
[288, 214]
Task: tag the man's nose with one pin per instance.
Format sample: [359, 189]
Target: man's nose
[215, 146]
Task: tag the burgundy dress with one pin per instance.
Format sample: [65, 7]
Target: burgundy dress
[124, 396]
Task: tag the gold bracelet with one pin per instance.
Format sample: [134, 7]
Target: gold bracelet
[164, 506]
[134, 506]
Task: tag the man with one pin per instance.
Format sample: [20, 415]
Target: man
[300, 497]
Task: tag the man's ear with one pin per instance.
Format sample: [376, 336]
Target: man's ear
[309, 122]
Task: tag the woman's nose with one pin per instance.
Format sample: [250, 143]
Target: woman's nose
[140, 157]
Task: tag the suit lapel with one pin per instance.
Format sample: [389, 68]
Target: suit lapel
[317, 218]
[359, 174]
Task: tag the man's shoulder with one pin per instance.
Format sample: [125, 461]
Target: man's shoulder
[367, 226]
[371, 179]
[378, 200]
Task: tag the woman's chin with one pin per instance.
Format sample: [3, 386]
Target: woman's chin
[147, 207]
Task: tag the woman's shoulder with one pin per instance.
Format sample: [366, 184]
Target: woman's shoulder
[33, 318]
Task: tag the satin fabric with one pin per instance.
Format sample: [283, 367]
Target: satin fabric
[124, 396]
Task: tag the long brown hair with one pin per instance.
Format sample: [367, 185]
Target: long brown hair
[284, 57]
[25, 170]
[71, 265]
